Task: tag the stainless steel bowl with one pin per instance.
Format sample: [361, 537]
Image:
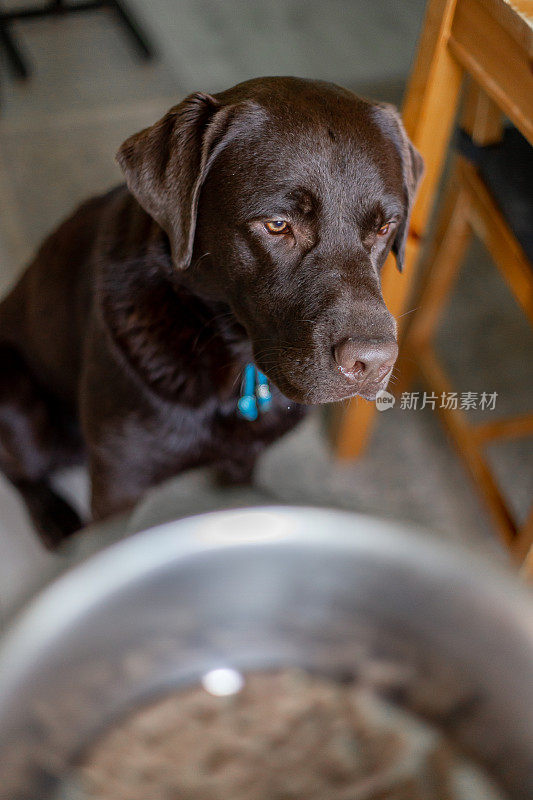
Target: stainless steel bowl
[332, 592]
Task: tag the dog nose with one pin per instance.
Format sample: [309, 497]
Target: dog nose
[359, 359]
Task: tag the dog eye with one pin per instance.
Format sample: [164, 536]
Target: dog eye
[383, 231]
[277, 226]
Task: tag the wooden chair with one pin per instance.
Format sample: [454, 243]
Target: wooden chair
[489, 42]
[480, 185]
[492, 42]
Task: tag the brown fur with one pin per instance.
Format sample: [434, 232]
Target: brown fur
[124, 341]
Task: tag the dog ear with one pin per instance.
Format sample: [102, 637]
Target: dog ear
[412, 170]
[166, 164]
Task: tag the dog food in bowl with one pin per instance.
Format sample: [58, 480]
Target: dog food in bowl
[283, 735]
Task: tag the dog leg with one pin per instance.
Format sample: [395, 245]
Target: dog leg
[53, 518]
[116, 484]
[29, 448]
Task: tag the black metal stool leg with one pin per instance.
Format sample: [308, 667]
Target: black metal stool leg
[54, 8]
[15, 59]
[133, 27]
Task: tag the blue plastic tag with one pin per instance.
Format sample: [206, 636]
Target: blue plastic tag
[255, 393]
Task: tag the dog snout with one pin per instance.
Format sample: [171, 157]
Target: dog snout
[365, 360]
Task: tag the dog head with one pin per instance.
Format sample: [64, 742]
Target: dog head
[282, 197]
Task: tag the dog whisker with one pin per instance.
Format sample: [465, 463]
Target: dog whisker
[405, 313]
[201, 258]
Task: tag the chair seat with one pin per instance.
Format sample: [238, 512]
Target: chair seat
[507, 170]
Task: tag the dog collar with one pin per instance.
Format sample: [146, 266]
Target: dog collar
[255, 393]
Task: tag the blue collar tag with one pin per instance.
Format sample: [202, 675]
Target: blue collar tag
[255, 393]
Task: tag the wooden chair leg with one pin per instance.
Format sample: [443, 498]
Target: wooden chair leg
[351, 426]
[524, 546]
[469, 450]
[453, 235]
[481, 117]
[482, 120]
[429, 113]
[492, 228]
[527, 569]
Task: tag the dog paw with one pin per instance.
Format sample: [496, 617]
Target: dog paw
[54, 519]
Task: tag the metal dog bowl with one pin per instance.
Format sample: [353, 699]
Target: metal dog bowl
[335, 593]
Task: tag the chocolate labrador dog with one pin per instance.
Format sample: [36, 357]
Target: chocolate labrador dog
[252, 230]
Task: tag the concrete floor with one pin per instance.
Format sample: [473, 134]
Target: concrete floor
[58, 135]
